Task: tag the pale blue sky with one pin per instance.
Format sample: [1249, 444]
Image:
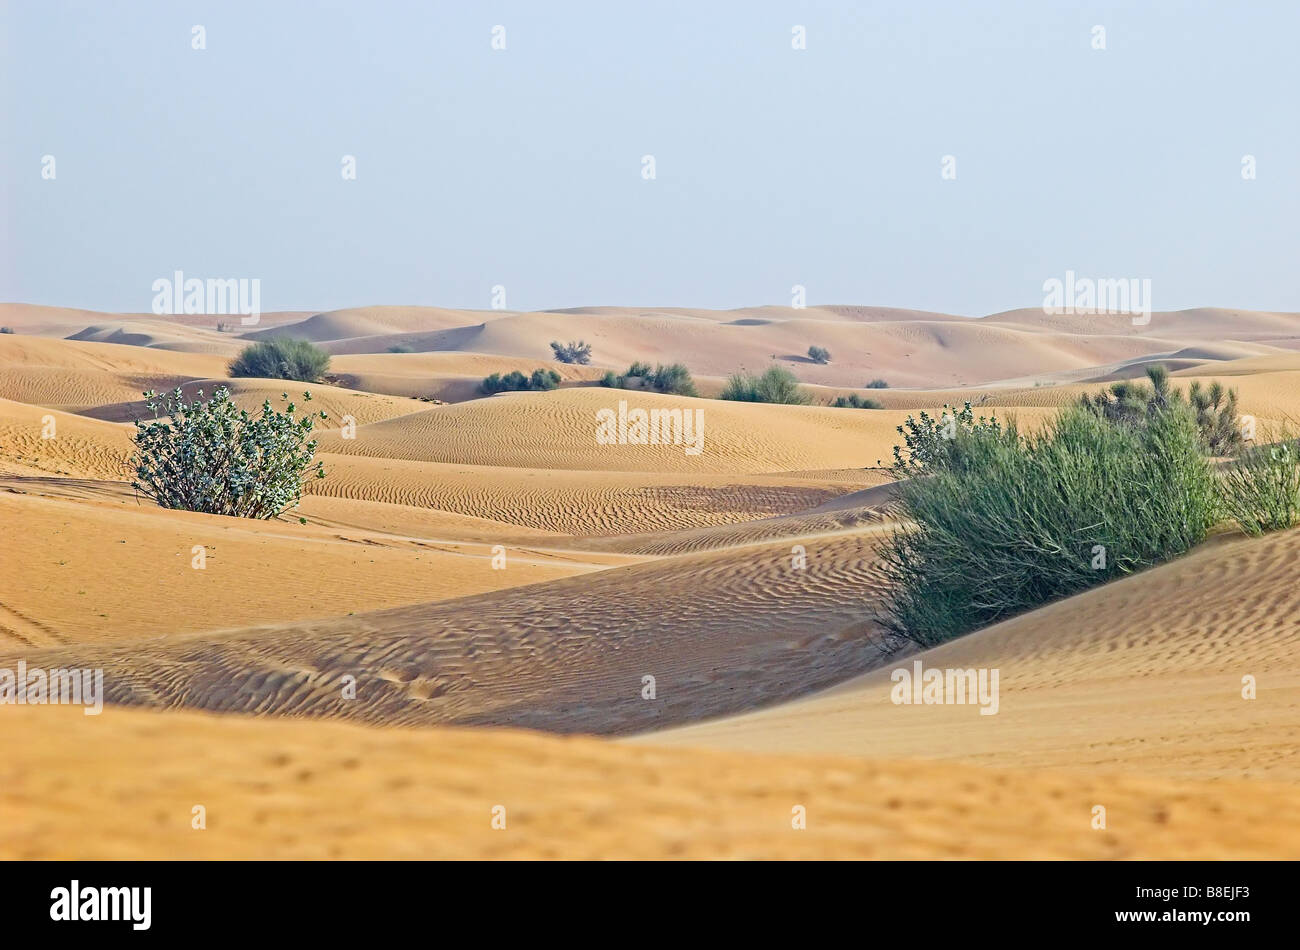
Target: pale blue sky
[775, 167]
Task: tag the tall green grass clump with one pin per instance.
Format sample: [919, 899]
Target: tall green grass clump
[777, 384]
[1261, 487]
[1004, 522]
[282, 358]
[212, 456]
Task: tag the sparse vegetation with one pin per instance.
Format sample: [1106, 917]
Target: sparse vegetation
[877, 384]
[214, 457]
[401, 348]
[819, 354]
[574, 352]
[1260, 489]
[6, 329]
[1003, 522]
[282, 358]
[674, 379]
[854, 401]
[1133, 403]
[515, 381]
[776, 385]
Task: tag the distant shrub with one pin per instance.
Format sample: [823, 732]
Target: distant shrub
[1133, 403]
[578, 352]
[1261, 488]
[674, 379]
[214, 457]
[819, 354]
[401, 348]
[1002, 523]
[6, 329]
[854, 401]
[515, 381]
[877, 384]
[776, 384]
[282, 358]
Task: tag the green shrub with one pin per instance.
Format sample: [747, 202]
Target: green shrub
[777, 385]
[877, 384]
[819, 354]
[1132, 403]
[854, 401]
[214, 457]
[932, 443]
[1002, 523]
[674, 379]
[515, 381]
[578, 352]
[282, 358]
[1261, 488]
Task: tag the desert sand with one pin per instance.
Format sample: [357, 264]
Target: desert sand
[499, 586]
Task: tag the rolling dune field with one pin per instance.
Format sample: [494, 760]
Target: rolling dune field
[637, 650]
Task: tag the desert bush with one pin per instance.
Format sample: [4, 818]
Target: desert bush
[1133, 403]
[515, 381]
[854, 401]
[282, 358]
[1216, 417]
[6, 329]
[776, 384]
[214, 457]
[819, 354]
[931, 443]
[578, 352]
[401, 348]
[1002, 522]
[674, 379]
[877, 384]
[1260, 489]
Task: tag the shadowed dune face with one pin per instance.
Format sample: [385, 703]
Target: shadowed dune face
[492, 564]
[567, 656]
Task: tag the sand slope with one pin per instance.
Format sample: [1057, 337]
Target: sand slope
[281, 789]
[1144, 673]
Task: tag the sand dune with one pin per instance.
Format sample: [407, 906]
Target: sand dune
[101, 566]
[558, 430]
[283, 789]
[1143, 674]
[718, 631]
[744, 580]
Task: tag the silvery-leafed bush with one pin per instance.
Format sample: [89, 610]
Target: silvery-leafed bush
[212, 456]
